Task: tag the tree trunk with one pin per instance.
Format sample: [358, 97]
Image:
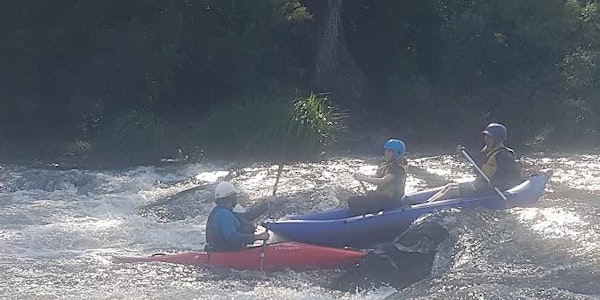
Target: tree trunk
[336, 71]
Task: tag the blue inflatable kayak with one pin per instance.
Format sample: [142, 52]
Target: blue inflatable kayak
[339, 228]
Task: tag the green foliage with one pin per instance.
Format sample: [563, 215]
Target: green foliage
[392, 39]
[270, 127]
[455, 65]
[311, 128]
[198, 65]
[580, 111]
[67, 58]
[134, 137]
[241, 127]
[487, 42]
[578, 70]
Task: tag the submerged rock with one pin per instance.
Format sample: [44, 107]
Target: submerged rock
[190, 203]
[186, 204]
[409, 258]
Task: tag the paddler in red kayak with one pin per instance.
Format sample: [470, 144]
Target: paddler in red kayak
[227, 230]
[390, 180]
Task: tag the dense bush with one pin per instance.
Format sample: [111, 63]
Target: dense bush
[206, 75]
[134, 137]
[285, 127]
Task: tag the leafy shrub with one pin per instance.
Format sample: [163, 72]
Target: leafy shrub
[273, 128]
[133, 137]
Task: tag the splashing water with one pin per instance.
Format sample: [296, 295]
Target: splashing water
[59, 232]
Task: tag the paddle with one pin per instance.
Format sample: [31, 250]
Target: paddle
[277, 178]
[262, 255]
[466, 155]
[264, 242]
[363, 186]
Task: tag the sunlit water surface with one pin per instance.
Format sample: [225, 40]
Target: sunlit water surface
[60, 230]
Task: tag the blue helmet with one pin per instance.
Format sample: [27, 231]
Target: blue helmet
[497, 131]
[395, 145]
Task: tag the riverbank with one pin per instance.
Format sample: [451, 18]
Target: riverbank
[56, 154]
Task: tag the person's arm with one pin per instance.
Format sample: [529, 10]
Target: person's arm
[507, 173]
[399, 175]
[479, 184]
[255, 212]
[226, 223]
[374, 180]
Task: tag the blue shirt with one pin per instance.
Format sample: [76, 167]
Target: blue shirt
[226, 230]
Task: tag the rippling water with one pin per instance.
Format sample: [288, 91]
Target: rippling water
[59, 232]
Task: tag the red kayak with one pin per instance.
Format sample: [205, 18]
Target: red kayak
[284, 255]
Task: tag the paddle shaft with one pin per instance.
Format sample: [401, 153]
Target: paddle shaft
[277, 178]
[466, 155]
[262, 255]
[264, 244]
[363, 186]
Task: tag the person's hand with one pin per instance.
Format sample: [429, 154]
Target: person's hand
[359, 177]
[262, 236]
[460, 148]
[269, 201]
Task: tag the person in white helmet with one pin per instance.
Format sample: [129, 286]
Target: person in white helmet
[227, 230]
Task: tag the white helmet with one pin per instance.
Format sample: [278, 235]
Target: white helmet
[224, 189]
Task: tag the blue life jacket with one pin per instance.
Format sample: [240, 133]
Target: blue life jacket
[227, 231]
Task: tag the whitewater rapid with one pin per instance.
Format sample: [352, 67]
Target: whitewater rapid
[61, 229]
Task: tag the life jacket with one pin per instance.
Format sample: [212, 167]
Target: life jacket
[395, 188]
[490, 164]
[215, 241]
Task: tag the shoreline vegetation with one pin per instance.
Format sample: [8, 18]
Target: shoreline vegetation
[359, 146]
[123, 83]
[311, 130]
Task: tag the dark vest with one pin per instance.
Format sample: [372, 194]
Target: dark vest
[505, 176]
[395, 188]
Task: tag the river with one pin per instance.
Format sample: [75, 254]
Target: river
[61, 229]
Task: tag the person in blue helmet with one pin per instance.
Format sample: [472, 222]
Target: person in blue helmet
[228, 230]
[497, 162]
[390, 180]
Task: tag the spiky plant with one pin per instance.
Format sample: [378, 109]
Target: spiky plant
[311, 128]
